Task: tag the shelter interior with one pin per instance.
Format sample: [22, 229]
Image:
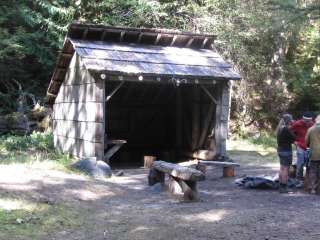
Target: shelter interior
[162, 120]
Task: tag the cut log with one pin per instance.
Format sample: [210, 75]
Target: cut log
[194, 164]
[228, 167]
[181, 172]
[148, 161]
[220, 164]
[228, 172]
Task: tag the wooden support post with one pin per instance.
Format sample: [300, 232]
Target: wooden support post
[157, 39]
[195, 118]
[186, 188]
[178, 120]
[222, 117]
[189, 189]
[155, 176]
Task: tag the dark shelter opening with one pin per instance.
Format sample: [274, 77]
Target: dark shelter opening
[162, 120]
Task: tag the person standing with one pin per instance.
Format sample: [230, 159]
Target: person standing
[285, 139]
[299, 129]
[313, 142]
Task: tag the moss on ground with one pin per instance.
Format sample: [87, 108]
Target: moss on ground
[38, 221]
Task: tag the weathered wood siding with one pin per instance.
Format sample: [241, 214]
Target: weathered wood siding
[78, 113]
[222, 117]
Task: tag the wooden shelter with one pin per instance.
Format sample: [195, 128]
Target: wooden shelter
[162, 93]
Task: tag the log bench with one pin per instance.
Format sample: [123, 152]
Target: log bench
[181, 179]
[228, 168]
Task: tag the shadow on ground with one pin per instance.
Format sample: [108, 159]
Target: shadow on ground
[126, 208]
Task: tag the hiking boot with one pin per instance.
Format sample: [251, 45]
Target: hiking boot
[283, 188]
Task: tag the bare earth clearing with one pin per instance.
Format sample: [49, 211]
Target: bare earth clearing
[41, 203]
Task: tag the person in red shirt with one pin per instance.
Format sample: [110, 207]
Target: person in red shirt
[299, 128]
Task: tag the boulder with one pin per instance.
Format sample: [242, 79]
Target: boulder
[93, 167]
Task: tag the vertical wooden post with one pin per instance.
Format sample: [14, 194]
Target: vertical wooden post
[222, 116]
[195, 118]
[179, 120]
[104, 139]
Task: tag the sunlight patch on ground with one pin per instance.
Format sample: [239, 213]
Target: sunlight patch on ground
[208, 216]
[15, 204]
[140, 228]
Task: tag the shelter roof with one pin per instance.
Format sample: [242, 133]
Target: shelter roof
[141, 52]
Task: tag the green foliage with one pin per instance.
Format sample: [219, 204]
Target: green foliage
[37, 222]
[264, 139]
[36, 141]
[38, 147]
[274, 44]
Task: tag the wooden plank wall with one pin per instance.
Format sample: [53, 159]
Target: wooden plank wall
[222, 117]
[78, 113]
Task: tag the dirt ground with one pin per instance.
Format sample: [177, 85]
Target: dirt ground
[126, 208]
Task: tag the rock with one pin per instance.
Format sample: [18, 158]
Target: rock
[93, 167]
[104, 169]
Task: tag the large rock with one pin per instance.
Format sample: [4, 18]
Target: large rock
[93, 167]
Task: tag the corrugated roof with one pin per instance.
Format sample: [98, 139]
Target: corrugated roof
[124, 57]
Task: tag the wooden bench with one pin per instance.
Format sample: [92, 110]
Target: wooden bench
[228, 168]
[181, 179]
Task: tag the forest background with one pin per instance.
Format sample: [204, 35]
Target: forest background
[275, 45]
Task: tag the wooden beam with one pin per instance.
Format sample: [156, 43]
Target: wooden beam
[189, 42]
[206, 126]
[208, 94]
[173, 40]
[204, 42]
[158, 39]
[114, 91]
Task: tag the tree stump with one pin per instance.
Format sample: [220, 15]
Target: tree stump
[228, 172]
[148, 161]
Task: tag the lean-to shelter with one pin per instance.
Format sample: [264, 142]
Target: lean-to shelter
[158, 92]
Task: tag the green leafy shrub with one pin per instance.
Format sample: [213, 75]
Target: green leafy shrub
[264, 139]
[36, 141]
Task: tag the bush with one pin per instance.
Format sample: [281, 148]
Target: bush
[36, 141]
[264, 139]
